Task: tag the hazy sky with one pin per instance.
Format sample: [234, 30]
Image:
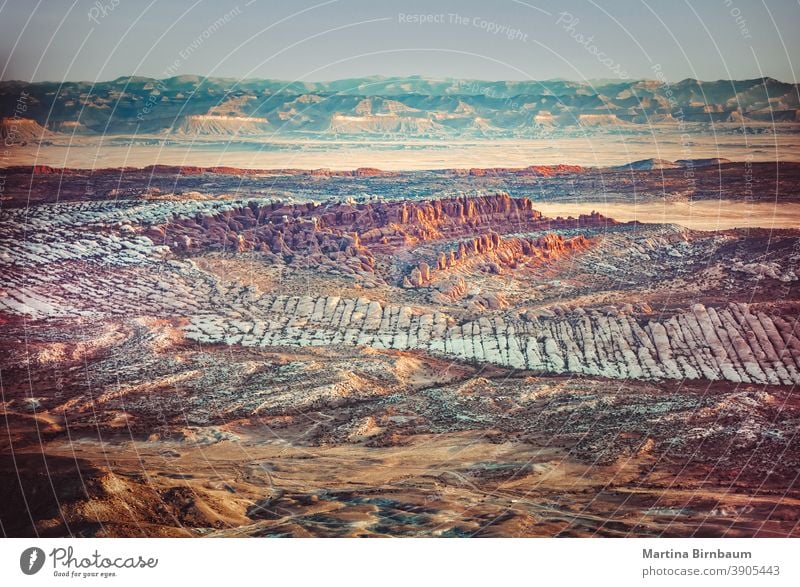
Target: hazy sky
[313, 40]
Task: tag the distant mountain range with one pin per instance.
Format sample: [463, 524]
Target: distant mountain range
[187, 106]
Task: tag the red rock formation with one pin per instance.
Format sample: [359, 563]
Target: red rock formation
[531, 170]
[497, 254]
[402, 223]
[368, 172]
[277, 230]
[348, 236]
[451, 289]
[42, 170]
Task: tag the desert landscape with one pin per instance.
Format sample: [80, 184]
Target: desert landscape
[217, 351]
[395, 123]
[336, 271]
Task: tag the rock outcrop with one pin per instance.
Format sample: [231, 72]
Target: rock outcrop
[338, 235]
[491, 253]
[729, 343]
[92, 261]
[19, 131]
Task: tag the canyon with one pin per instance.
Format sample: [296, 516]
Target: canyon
[451, 364]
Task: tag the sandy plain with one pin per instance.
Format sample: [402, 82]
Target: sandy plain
[590, 149]
[703, 215]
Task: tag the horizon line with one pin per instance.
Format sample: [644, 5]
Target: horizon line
[589, 81]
